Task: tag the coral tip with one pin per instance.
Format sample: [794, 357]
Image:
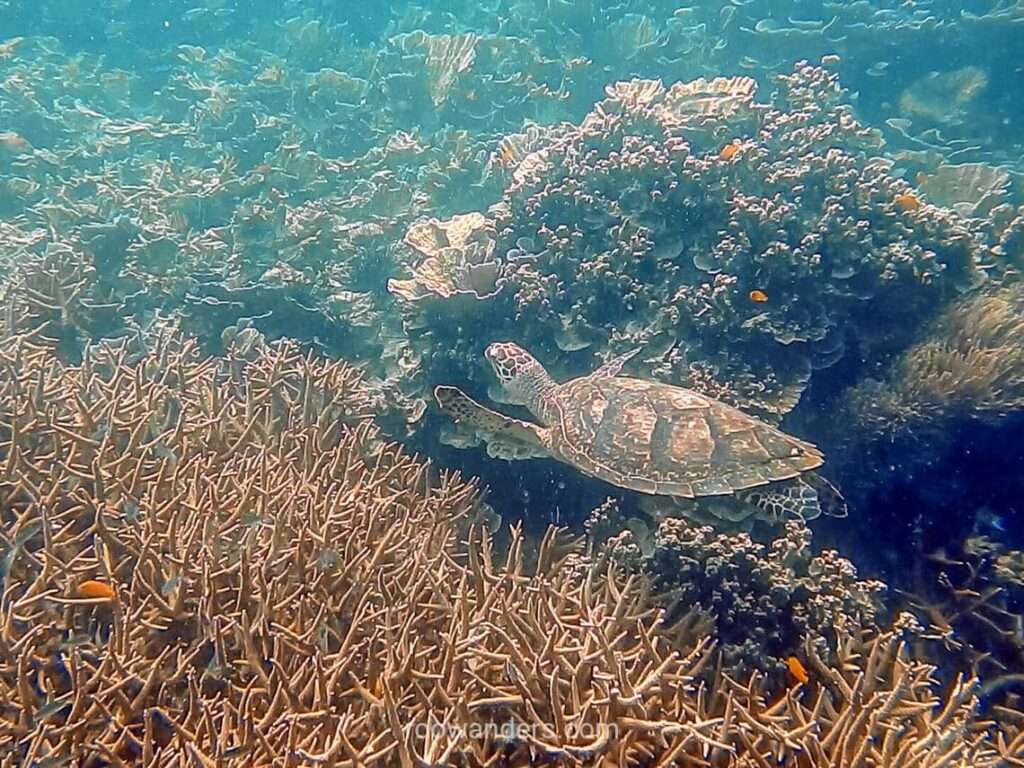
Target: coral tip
[96, 590]
[797, 670]
[907, 202]
[758, 296]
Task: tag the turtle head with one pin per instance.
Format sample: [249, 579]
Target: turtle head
[520, 375]
[510, 362]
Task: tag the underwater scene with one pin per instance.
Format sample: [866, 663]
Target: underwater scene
[513, 382]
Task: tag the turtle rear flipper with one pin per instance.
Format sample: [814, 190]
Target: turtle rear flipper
[830, 499]
[806, 497]
[781, 501]
[506, 438]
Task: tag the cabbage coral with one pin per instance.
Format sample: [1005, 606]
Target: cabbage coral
[763, 600]
[740, 242]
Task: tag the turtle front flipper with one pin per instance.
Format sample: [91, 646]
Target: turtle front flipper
[505, 437]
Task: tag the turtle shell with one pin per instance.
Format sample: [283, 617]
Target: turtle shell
[660, 439]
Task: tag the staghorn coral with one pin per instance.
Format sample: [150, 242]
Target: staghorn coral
[763, 600]
[220, 560]
[52, 297]
[969, 598]
[258, 219]
[204, 177]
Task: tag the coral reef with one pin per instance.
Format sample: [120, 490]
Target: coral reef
[763, 600]
[447, 61]
[936, 435]
[231, 206]
[234, 206]
[970, 599]
[220, 560]
[737, 242]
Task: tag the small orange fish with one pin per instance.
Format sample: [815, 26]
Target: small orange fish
[907, 202]
[7, 47]
[12, 142]
[728, 152]
[96, 590]
[797, 670]
[506, 155]
[758, 296]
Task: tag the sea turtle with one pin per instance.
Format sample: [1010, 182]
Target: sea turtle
[646, 436]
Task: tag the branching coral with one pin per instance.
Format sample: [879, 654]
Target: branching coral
[221, 560]
[53, 297]
[969, 600]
